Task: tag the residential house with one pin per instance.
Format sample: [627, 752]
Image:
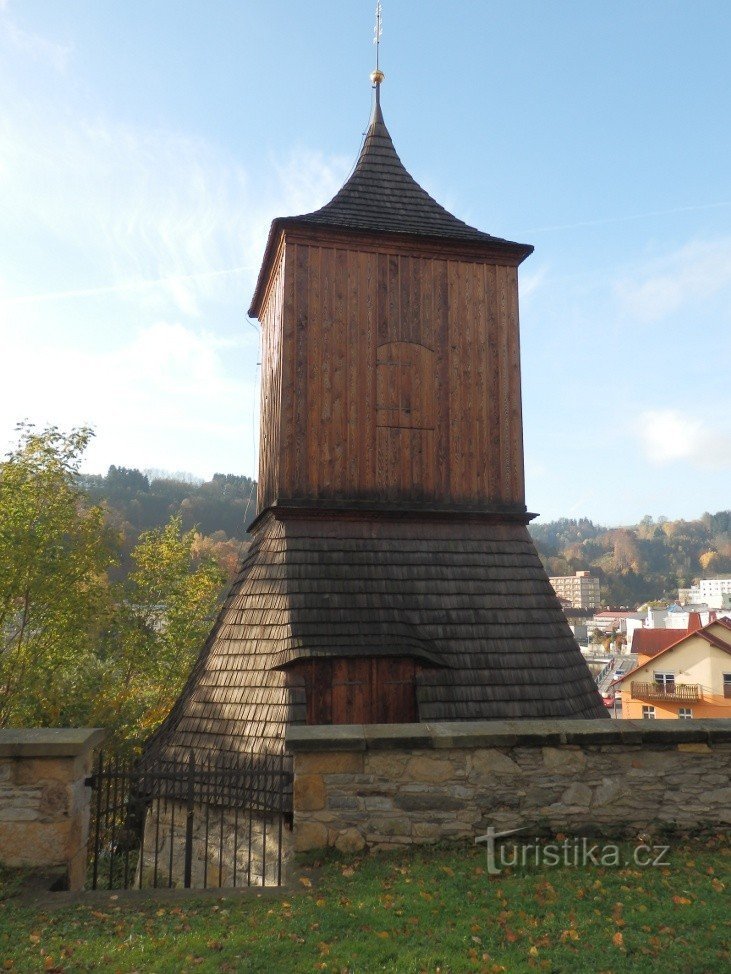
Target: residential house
[691, 677]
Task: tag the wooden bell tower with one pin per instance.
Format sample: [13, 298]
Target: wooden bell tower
[391, 576]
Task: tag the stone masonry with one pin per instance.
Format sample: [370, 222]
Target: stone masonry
[44, 802]
[380, 786]
[221, 837]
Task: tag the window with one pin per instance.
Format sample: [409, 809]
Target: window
[648, 713]
[727, 684]
[685, 713]
[665, 681]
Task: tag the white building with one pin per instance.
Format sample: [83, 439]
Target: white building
[712, 587]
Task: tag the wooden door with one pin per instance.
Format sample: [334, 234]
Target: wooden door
[359, 690]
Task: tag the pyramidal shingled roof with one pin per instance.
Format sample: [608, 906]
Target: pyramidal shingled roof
[381, 195]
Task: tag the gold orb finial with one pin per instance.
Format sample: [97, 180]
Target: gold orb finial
[377, 76]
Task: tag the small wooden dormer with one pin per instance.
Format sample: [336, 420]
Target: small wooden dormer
[391, 367]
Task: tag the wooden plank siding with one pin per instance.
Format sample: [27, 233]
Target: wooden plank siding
[402, 379]
[271, 449]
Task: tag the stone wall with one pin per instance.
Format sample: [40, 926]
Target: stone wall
[44, 802]
[384, 785]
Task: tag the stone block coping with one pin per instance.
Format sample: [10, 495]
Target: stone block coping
[49, 742]
[504, 733]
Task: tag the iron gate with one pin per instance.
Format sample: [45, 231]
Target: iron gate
[185, 823]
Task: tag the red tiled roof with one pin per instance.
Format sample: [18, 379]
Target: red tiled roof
[703, 633]
[650, 642]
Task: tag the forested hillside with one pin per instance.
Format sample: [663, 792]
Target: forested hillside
[649, 560]
[219, 509]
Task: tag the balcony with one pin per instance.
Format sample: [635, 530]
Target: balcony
[660, 691]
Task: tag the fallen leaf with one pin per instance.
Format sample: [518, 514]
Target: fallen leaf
[681, 900]
[306, 881]
[618, 939]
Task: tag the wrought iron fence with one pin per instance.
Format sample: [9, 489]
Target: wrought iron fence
[182, 822]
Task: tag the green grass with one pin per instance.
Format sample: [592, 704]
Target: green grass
[430, 910]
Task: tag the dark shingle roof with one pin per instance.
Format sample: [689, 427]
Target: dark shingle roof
[381, 195]
[472, 598]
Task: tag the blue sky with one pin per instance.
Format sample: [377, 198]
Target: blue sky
[145, 147]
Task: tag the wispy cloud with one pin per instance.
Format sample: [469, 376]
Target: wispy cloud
[532, 281]
[699, 270]
[631, 217]
[131, 246]
[670, 436]
[130, 206]
[25, 42]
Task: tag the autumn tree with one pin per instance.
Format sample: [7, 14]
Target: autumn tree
[54, 552]
[164, 611]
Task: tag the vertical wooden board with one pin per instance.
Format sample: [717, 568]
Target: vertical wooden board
[415, 310]
[493, 385]
[481, 388]
[516, 411]
[456, 445]
[415, 388]
[382, 305]
[390, 463]
[418, 486]
[320, 697]
[312, 428]
[289, 390]
[394, 690]
[469, 403]
[503, 338]
[393, 306]
[429, 461]
[350, 690]
[404, 473]
[440, 303]
[399, 446]
[402, 332]
[277, 391]
[352, 370]
[339, 388]
[270, 391]
[326, 369]
[367, 371]
[300, 392]
[408, 367]
[381, 462]
[426, 330]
